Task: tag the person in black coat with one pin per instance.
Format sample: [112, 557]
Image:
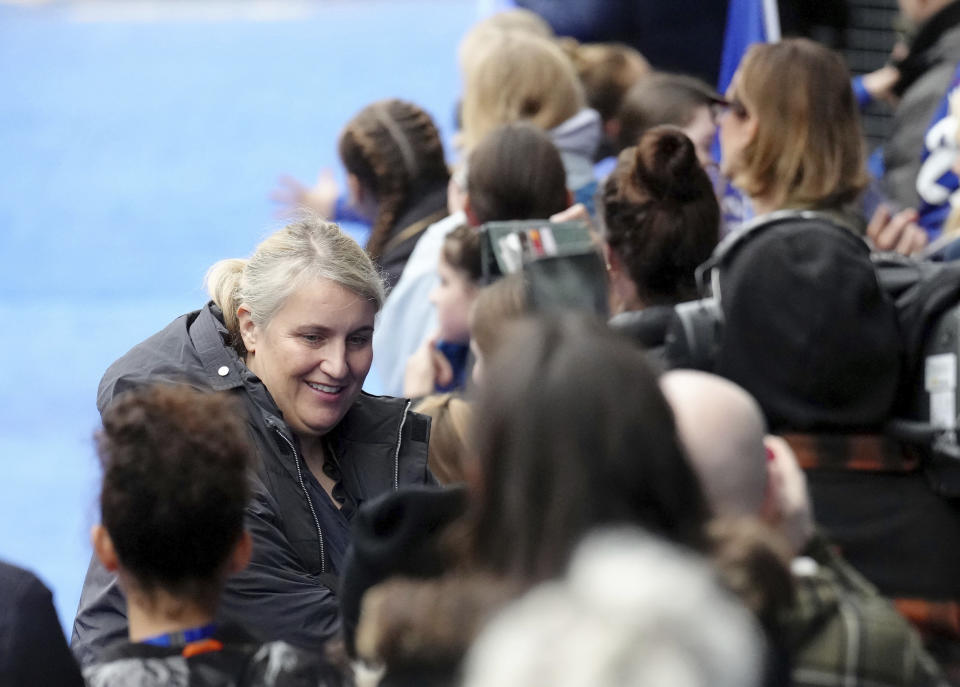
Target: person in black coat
[32, 648]
[288, 333]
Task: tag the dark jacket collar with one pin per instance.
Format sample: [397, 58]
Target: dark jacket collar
[222, 366]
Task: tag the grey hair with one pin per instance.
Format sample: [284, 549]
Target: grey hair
[307, 249]
[633, 611]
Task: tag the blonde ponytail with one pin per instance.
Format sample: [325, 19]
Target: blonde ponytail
[223, 285]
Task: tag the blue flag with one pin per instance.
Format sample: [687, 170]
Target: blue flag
[748, 22]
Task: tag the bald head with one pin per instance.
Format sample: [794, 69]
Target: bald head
[722, 429]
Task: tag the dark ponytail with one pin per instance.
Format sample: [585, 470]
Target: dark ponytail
[660, 215]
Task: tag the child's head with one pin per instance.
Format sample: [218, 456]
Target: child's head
[512, 21]
[677, 99]
[458, 272]
[607, 71]
[516, 172]
[514, 77]
[174, 491]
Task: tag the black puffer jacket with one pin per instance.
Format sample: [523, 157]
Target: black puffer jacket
[287, 591]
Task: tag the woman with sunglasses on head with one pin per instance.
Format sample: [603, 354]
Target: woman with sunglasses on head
[790, 134]
[790, 137]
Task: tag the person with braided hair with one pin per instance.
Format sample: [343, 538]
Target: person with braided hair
[397, 180]
[397, 176]
[659, 220]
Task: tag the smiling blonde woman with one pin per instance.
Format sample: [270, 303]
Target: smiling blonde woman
[289, 333]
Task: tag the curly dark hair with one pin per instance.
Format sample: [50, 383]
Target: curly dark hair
[174, 487]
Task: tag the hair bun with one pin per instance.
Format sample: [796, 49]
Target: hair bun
[666, 164]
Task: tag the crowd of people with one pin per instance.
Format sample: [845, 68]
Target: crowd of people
[693, 482]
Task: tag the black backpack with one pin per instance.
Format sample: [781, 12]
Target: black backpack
[927, 297]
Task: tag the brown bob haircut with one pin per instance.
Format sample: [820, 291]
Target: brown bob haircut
[808, 150]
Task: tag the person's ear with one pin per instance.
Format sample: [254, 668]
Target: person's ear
[240, 556]
[468, 210]
[248, 329]
[103, 548]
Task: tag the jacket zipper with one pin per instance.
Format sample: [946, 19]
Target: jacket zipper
[396, 454]
[303, 487]
[316, 520]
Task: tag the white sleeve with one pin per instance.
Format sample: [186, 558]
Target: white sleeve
[408, 317]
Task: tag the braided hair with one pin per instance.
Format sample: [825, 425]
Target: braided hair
[393, 148]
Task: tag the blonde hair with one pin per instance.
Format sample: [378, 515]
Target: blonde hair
[304, 250]
[517, 77]
[808, 150]
[449, 435]
[516, 21]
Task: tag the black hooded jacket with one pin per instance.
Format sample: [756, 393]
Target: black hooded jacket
[288, 590]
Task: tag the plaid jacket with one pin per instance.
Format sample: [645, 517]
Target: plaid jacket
[842, 632]
[876, 453]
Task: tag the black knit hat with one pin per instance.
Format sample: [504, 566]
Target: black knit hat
[397, 534]
[808, 330]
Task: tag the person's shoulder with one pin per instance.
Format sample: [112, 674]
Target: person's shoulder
[423, 259]
[371, 412]
[21, 588]
[835, 607]
[277, 664]
[168, 356]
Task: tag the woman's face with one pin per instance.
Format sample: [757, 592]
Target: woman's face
[737, 128]
[314, 355]
[452, 297]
